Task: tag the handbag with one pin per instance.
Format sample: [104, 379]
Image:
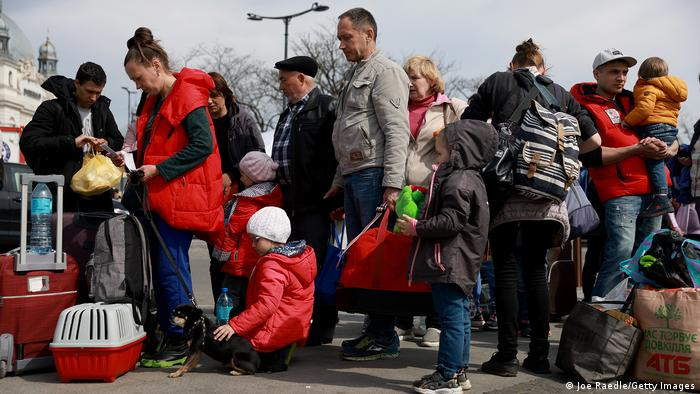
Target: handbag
[374, 276]
[327, 278]
[596, 346]
[97, 175]
[583, 218]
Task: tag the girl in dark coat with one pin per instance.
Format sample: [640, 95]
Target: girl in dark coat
[450, 241]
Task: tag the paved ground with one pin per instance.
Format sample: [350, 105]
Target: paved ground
[313, 370]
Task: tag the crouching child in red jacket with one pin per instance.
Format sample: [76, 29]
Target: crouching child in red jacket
[233, 247]
[280, 295]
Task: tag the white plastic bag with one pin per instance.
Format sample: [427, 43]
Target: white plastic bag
[618, 293]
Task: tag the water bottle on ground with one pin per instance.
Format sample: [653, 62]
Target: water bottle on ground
[40, 238]
[223, 307]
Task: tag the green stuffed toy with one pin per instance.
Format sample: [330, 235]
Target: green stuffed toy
[410, 202]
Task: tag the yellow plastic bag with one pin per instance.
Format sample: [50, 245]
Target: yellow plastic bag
[97, 175]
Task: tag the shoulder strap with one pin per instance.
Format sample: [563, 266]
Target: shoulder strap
[444, 115]
[551, 100]
[518, 112]
[166, 251]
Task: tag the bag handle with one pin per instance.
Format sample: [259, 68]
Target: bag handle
[338, 238]
[380, 211]
[626, 304]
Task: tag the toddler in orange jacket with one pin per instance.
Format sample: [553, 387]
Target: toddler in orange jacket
[657, 100]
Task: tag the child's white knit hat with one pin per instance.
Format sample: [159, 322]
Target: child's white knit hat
[271, 223]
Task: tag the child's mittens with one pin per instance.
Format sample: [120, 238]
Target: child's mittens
[407, 225]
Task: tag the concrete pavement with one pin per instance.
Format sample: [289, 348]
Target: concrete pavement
[313, 370]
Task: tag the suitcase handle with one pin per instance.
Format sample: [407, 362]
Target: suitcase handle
[26, 180]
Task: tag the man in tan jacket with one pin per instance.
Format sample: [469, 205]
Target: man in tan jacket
[370, 138]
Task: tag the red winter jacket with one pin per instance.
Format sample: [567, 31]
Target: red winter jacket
[193, 200]
[628, 177]
[280, 298]
[235, 239]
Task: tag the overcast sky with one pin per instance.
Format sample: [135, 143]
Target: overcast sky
[478, 35]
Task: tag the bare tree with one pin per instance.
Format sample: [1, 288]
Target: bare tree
[253, 84]
[256, 86]
[322, 45]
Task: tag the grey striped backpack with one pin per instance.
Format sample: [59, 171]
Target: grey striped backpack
[547, 159]
[119, 270]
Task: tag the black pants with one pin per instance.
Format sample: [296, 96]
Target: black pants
[315, 227]
[526, 242]
[215, 274]
[236, 285]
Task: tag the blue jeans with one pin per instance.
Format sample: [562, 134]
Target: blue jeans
[452, 307]
[487, 272]
[657, 168]
[625, 231]
[168, 289]
[363, 194]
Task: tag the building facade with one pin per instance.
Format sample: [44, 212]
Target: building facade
[20, 83]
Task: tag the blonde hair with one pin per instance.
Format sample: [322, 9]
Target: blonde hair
[424, 66]
[653, 67]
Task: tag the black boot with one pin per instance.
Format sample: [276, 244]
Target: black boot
[173, 351]
[501, 367]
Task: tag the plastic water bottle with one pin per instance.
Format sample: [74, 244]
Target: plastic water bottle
[223, 307]
[40, 238]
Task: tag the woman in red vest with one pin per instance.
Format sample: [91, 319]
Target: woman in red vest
[182, 176]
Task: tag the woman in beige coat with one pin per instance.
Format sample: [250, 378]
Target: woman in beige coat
[429, 110]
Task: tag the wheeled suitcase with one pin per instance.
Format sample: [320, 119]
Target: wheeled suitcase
[34, 290]
[79, 230]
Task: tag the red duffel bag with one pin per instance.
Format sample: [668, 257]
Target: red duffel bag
[374, 277]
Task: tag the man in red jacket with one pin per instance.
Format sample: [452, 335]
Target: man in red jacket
[617, 169]
[280, 295]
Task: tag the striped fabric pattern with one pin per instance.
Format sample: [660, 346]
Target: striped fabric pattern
[547, 146]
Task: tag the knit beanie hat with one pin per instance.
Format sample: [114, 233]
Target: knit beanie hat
[258, 166]
[271, 223]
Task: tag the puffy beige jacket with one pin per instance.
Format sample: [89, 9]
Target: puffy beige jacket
[371, 127]
[421, 150]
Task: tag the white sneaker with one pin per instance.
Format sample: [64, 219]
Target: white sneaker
[404, 335]
[431, 338]
[419, 326]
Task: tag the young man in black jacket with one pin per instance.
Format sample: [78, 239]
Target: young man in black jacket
[62, 129]
[303, 148]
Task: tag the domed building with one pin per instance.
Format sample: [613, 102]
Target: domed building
[20, 83]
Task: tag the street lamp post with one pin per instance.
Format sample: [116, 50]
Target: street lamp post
[129, 115]
[286, 18]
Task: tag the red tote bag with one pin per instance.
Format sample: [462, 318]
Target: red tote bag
[378, 260]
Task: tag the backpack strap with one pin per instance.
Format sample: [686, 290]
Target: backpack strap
[518, 111]
[548, 96]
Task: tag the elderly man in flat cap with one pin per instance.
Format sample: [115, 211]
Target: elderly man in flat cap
[304, 151]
